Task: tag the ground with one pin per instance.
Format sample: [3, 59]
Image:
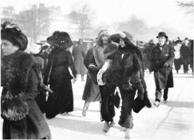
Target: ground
[171, 120]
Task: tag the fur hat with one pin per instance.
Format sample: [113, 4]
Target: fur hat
[13, 34]
[60, 39]
[160, 34]
[100, 35]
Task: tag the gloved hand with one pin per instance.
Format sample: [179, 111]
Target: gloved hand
[99, 77]
[166, 64]
[92, 67]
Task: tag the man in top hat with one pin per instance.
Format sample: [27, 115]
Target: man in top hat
[162, 59]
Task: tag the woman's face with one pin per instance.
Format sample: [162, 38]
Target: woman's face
[122, 43]
[105, 40]
[161, 40]
[8, 48]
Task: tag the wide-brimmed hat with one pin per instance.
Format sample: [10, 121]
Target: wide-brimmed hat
[162, 34]
[60, 39]
[12, 33]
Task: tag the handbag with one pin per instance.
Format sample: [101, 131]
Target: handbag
[138, 105]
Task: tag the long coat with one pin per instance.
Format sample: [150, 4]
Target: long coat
[19, 76]
[185, 54]
[79, 52]
[163, 75]
[60, 82]
[91, 90]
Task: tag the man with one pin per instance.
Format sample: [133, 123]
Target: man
[177, 58]
[162, 62]
[185, 55]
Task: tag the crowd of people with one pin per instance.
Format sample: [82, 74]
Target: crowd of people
[183, 54]
[40, 82]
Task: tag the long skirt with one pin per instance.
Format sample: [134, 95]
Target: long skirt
[33, 126]
[61, 100]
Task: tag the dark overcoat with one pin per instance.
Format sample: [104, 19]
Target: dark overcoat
[162, 74]
[18, 76]
[79, 52]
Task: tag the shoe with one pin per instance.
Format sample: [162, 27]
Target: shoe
[106, 127]
[127, 136]
[112, 124]
[165, 101]
[123, 129]
[156, 103]
[84, 113]
[85, 108]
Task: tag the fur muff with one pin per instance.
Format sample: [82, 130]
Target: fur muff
[14, 109]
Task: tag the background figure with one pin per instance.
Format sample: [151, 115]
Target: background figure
[91, 91]
[22, 116]
[40, 56]
[147, 54]
[58, 75]
[162, 61]
[79, 53]
[191, 57]
[185, 55]
[177, 57]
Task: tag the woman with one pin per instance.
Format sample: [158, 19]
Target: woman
[58, 75]
[162, 61]
[22, 118]
[93, 63]
[40, 60]
[125, 71]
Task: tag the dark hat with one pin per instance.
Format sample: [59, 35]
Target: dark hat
[115, 38]
[13, 33]
[186, 38]
[178, 41]
[60, 39]
[160, 34]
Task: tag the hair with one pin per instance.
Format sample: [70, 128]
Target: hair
[101, 34]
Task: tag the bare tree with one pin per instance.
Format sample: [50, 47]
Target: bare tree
[35, 21]
[82, 19]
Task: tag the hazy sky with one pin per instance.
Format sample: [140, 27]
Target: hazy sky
[154, 13]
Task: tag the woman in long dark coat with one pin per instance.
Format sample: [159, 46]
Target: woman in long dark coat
[162, 62]
[59, 75]
[126, 72]
[22, 116]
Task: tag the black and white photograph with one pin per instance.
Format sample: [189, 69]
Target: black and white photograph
[97, 69]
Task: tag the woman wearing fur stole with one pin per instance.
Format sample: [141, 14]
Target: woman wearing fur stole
[22, 118]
